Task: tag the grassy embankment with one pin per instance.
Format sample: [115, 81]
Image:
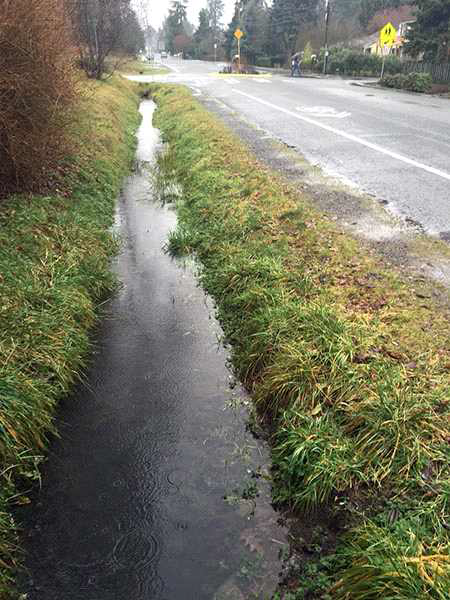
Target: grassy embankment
[55, 255]
[139, 67]
[351, 366]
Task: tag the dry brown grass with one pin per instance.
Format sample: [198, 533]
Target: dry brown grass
[37, 90]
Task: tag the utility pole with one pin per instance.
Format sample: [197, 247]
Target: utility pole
[327, 17]
[239, 39]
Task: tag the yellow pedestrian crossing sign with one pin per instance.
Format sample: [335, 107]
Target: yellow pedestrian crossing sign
[238, 34]
[388, 35]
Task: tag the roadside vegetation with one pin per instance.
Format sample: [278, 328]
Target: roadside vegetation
[105, 34]
[413, 82]
[55, 250]
[346, 362]
[140, 67]
[343, 61]
[273, 32]
[38, 87]
[65, 144]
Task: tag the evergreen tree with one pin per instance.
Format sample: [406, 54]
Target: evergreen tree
[430, 34]
[346, 9]
[203, 34]
[255, 27]
[215, 10]
[286, 19]
[174, 24]
[132, 39]
[230, 40]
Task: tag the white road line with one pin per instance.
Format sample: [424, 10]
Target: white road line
[323, 111]
[349, 136]
[172, 67]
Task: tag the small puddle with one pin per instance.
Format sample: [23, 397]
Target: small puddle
[155, 489]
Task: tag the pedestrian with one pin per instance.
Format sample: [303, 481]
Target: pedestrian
[295, 65]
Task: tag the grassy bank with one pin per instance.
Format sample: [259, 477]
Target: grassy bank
[349, 363]
[140, 67]
[55, 255]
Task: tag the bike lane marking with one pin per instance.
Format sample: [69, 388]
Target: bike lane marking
[351, 137]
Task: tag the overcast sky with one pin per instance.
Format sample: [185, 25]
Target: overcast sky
[158, 9]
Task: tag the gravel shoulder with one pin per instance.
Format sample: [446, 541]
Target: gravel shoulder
[423, 259]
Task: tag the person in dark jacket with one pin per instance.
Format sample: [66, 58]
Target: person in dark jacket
[295, 65]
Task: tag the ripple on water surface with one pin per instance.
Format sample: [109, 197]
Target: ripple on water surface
[154, 488]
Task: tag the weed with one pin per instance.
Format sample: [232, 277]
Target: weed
[313, 460]
[404, 560]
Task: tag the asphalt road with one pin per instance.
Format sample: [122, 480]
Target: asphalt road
[392, 145]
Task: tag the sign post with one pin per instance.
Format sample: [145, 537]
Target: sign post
[388, 35]
[238, 34]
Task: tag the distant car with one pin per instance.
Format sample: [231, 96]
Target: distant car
[163, 54]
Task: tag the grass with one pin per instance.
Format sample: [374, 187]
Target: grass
[351, 368]
[55, 255]
[139, 67]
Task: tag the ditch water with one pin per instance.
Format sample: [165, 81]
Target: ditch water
[154, 488]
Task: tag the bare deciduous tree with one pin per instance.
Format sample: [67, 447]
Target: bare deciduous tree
[100, 27]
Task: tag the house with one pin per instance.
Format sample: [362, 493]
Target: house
[401, 18]
[402, 36]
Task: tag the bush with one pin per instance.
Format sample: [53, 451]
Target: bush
[350, 62]
[37, 89]
[392, 65]
[394, 81]
[413, 82]
[419, 82]
[263, 61]
[278, 60]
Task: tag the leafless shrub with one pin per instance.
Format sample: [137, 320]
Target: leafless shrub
[37, 90]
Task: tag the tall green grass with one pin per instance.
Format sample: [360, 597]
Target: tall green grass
[55, 255]
[351, 368]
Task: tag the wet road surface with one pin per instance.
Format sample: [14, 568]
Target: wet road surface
[392, 145]
[132, 503]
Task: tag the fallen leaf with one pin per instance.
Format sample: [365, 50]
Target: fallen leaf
[393, 354]
[411, 365]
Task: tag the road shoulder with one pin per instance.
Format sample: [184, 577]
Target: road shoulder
[425, 260]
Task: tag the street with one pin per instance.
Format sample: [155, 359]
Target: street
[391, 145]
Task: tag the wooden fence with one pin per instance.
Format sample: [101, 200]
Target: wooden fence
[439, 72]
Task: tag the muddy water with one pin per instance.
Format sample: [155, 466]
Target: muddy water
[150, 491]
